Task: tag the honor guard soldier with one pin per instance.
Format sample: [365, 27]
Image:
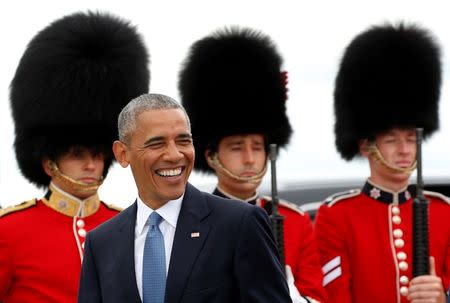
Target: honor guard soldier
[388, 84]
[71, 83]
[235, 95]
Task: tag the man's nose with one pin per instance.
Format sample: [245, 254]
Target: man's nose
[248, 155]
[405, 147]
[90, 163]
[173, 152]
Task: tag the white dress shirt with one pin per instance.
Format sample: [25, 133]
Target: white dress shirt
[169, 213]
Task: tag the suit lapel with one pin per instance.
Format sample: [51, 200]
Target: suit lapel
[125, 259]
[190, 235]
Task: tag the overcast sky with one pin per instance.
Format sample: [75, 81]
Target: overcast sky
[310, 35]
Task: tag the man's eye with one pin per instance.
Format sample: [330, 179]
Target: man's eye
[154, 145]
[185, 141]
[99, 157]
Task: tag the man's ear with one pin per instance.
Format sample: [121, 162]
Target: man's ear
[363, 145]
[120, 151]
[44, 163]
[208, 155]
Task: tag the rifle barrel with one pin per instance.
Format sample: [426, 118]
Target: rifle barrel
[421, 264]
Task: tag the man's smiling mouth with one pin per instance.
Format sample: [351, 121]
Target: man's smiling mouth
[169, 172]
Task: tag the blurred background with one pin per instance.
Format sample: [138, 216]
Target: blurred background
[311, 36]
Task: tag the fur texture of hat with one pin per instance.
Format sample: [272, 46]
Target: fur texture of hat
[389, 77]
[231, 83]
[71, 83]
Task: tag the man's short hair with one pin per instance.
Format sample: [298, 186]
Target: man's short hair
[128, 115]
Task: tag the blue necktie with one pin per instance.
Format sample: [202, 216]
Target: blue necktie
[154, 263]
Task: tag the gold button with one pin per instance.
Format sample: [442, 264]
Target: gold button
[396, 219]
[80, 223]
[401, 256]
[404, 291]
[395, 210]
[399, 243]
[398, 233]
[82, 232]
[404, 280]
[82, 245]
[403, 265]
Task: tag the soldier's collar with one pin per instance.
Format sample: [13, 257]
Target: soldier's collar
[379, 193]
[221, 193]
[69, 205]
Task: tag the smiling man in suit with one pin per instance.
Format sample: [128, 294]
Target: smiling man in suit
[175, 243]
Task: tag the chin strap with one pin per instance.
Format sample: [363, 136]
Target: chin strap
[72, 183]
[375, 153]
[214, 162]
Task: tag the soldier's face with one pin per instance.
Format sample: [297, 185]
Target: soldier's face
[82, 165]
[161, 155]
[244, 156]
[398, 147]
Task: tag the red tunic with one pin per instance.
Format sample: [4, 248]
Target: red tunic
[365, 244]
[301, 252]
[41, 249]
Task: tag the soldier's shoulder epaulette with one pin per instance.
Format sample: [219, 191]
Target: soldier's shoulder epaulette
[286, 204]
[292, 206]
[341, 196]
[113, 207]
[437, 195]
[18, 207]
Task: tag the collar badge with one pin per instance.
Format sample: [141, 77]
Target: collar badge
[375, 193]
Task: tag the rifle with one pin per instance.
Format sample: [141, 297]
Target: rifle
[275, 218]
[421, 264]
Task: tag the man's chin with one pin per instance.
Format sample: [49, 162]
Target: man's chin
[90, 181]
[83, 194]
[175, 193]
[247, 187]
[401, 177]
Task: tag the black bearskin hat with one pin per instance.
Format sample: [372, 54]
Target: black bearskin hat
[389, 77]
[71, 84]
[231, 83]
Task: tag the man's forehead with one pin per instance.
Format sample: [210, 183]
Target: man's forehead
[241, 137]
[397, 131]
[77, 149]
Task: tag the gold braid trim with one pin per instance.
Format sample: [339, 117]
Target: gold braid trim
[74, 184]
[215, 162]
[21, 206]
[375, 153]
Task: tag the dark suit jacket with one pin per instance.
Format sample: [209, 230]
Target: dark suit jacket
[233, 260]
